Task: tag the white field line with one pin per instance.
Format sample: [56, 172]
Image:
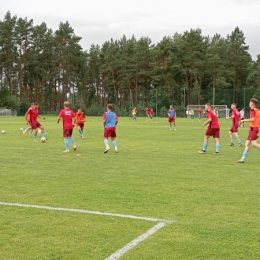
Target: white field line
[123, 250]
[136, 241]
[87, 212]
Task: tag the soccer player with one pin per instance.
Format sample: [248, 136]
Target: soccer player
[110, 120]
[134, 112]
[151, 113]
[33, 112]
[216, 111]
[200, 113]
[192, 113]
[171, 117]
[69, 120]
[235, 116]
[147, 113]
[28, 122]
[213, 129]
[253, 129]
[242, 116]
[80, 120]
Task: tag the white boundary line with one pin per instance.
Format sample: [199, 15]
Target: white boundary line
[161, 223]
[136, 241]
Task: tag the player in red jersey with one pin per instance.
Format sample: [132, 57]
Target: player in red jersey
[235, 116]
[213, 129]
[253, 128]
[151, 113]
[80, 120]
[147, 113]
[69, 120]
[200, 113]
[33, 112]
[28, 122]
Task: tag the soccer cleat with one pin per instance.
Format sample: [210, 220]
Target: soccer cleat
[23, 133]
[75, 148]
[34, 141]
[216, 153]
[175, 130]
[231, 144]
[80, 135]
[107, 149]
[116, 150]
[202, 151]
[66, 151]
[239, 145]
[240, 161]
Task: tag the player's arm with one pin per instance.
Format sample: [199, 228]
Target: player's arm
[207, 122]
[252, 119]
[74, 120]
[42, 117]
[26, 114]
[231, 117]
[58, 119]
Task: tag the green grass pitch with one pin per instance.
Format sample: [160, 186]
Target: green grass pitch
[157, 173]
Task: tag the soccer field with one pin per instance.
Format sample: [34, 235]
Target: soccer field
[190, 206]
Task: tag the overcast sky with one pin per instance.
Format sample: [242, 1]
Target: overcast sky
[97, 21]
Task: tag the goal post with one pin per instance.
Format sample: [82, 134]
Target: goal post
[8, 111]
[223, 110]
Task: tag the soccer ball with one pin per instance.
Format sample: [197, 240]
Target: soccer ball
[21, 129]
[43, 139]
[3, 131]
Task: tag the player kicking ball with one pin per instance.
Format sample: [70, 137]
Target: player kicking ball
[110, 120]
[253, 128]
[213, 129]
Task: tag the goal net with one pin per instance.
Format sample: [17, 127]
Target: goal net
[222, 110]
[7, 111]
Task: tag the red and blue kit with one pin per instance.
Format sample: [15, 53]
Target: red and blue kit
[67, 116]
[213, 128]
[110, 119]
[171, 113]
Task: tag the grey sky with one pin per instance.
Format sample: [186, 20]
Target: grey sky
[97, 21]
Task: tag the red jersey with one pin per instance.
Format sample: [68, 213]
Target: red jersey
[200, 111]
[236, 117]
[151, 112]
[32, 114]
[147, 111]
[214, 120]
[80, 117]
[67, 115]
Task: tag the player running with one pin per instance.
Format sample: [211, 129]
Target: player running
[80, 120]
[171, 117]
[213, 129]
[28, 122]
[147, 113]
[69, 120]
[151, 113]
[235, 116]
[253, 128]
[192, 113]
[110, 120]
[33, 112]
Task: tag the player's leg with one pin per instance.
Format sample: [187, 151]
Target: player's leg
[114, 142]
[82, 129]
[174, 125]
[66, 143]
[72, 140]
[217, 145]
[231, 137]
[238, 139]
[42, 130]
[255, 144]
[216, 135]
[35, 134]
[106, 136]
[79, 129]
[247, 144]
[205, 144]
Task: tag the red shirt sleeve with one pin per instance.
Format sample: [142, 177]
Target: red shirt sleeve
[60, 114]
[104, 116]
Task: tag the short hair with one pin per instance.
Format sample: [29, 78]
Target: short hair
[234, 104]
[109, 106]
[80, 109]
[208, 104]
[35, 103]
[66, 103]
[254, 101]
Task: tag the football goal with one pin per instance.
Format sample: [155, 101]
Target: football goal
[222, 110]
[7, 111]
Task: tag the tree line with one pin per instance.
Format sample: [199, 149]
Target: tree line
[39, 64]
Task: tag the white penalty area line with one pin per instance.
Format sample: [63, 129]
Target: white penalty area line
[87, 212]
[160, 224]
[136, 241]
